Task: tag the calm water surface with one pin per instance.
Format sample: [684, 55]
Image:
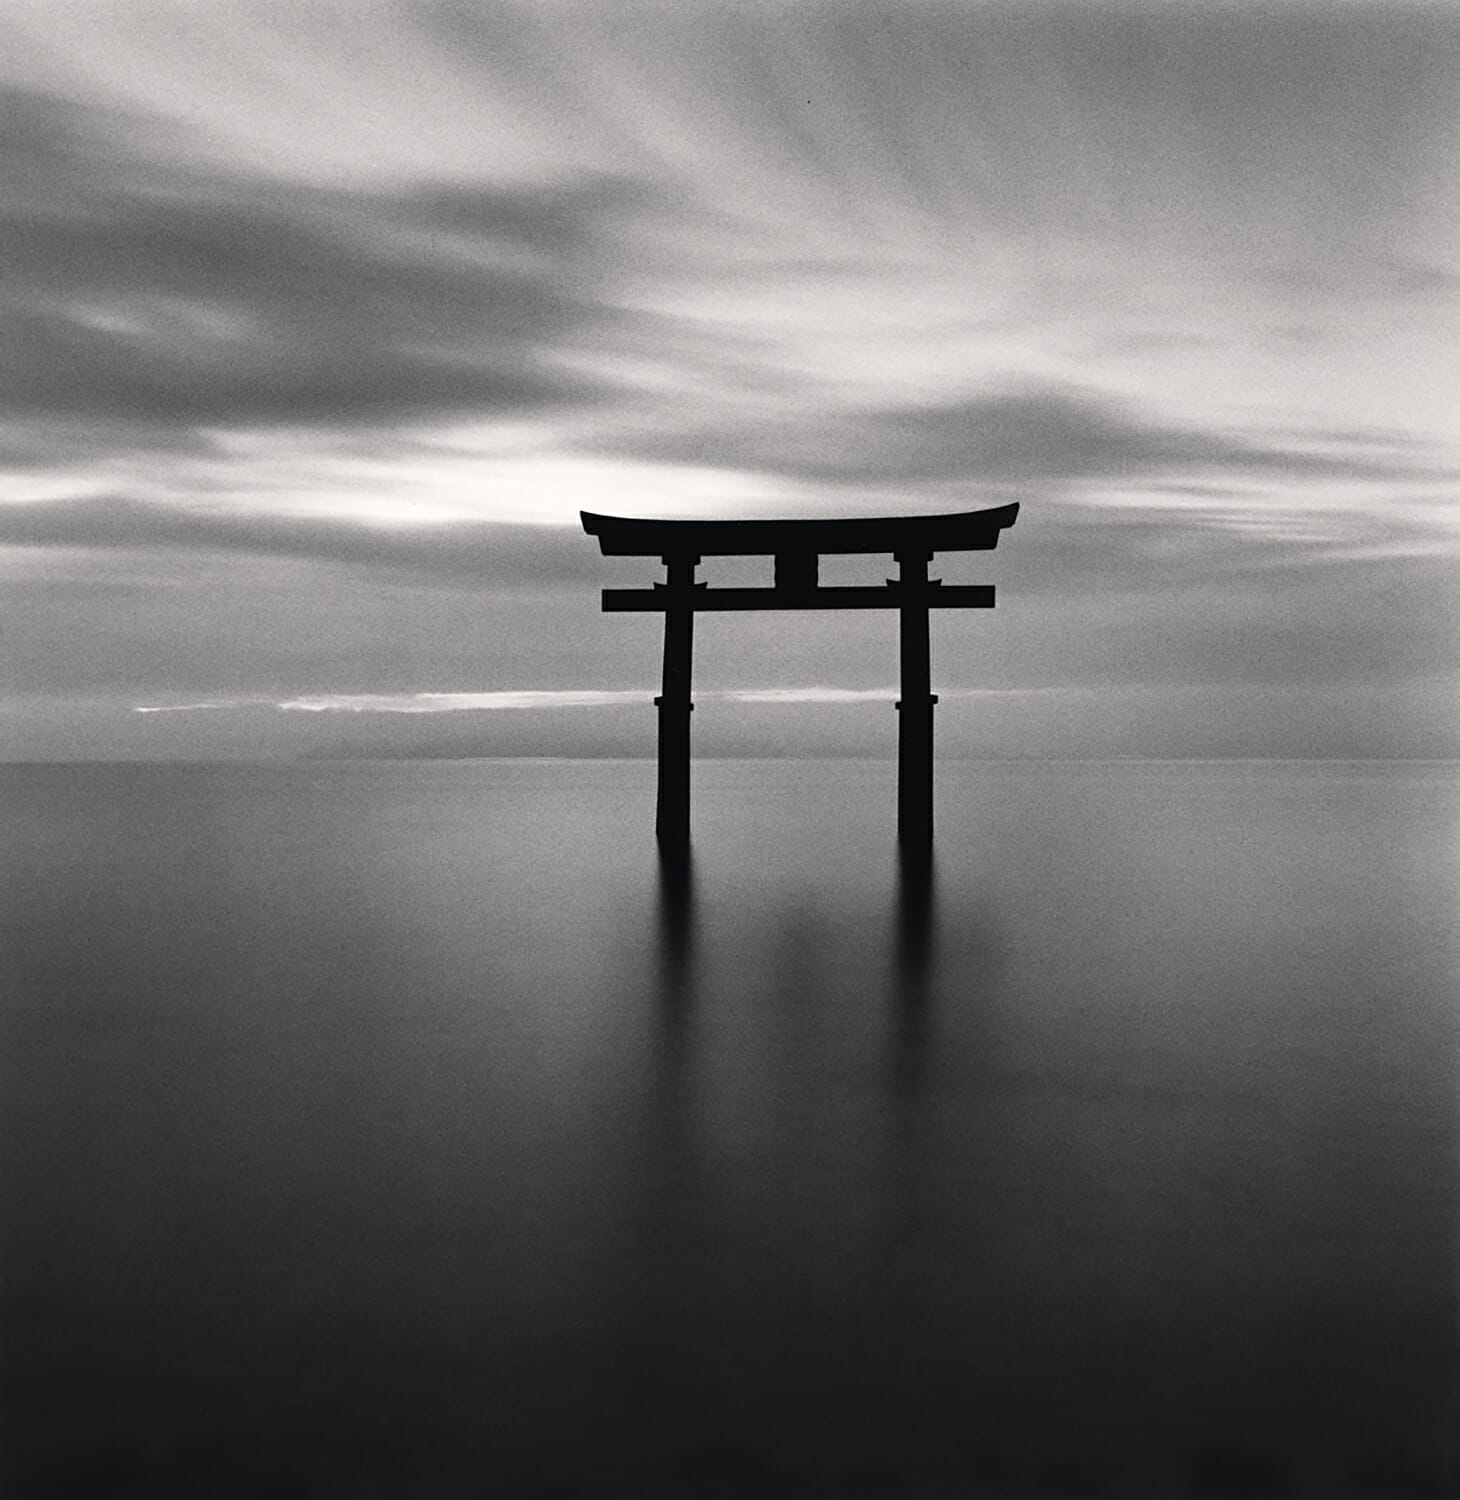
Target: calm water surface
[405, 1130]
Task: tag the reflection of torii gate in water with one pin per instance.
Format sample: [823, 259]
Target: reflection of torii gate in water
[796, 546]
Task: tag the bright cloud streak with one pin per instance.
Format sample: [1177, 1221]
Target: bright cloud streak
[188, 708]
[442, 703]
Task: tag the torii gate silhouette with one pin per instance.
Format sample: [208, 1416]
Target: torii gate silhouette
[796, 547]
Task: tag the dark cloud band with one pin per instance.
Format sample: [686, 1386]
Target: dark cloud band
[144, 291]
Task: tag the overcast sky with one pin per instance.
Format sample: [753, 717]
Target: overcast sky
[323, 320]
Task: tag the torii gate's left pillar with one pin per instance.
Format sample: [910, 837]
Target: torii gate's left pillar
[671, 818]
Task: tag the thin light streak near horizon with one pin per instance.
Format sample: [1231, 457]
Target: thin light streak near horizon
[540, 698]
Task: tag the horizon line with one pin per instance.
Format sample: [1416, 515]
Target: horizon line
[310, 759]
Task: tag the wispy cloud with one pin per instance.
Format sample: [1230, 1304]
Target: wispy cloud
[207, 296]
[466, 552]
[1024, 436]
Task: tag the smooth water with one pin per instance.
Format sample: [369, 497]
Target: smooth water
[402, 1129]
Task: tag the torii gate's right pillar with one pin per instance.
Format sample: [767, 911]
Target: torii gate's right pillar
[675, 703]
[915, 707]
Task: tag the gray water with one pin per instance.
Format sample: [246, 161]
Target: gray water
[402, 1129]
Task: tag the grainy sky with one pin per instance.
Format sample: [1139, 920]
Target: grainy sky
[323, 320]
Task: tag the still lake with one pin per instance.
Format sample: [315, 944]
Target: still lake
[402, 1129]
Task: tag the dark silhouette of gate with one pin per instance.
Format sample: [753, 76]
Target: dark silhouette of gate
[797, 547]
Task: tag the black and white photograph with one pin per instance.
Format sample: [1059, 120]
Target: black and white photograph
[729, 749]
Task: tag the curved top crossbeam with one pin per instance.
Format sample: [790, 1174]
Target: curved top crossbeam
[964, 531]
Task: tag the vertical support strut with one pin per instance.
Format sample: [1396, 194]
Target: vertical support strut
[915, 707]
[671, 818]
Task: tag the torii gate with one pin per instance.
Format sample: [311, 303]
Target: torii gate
[796, 547]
